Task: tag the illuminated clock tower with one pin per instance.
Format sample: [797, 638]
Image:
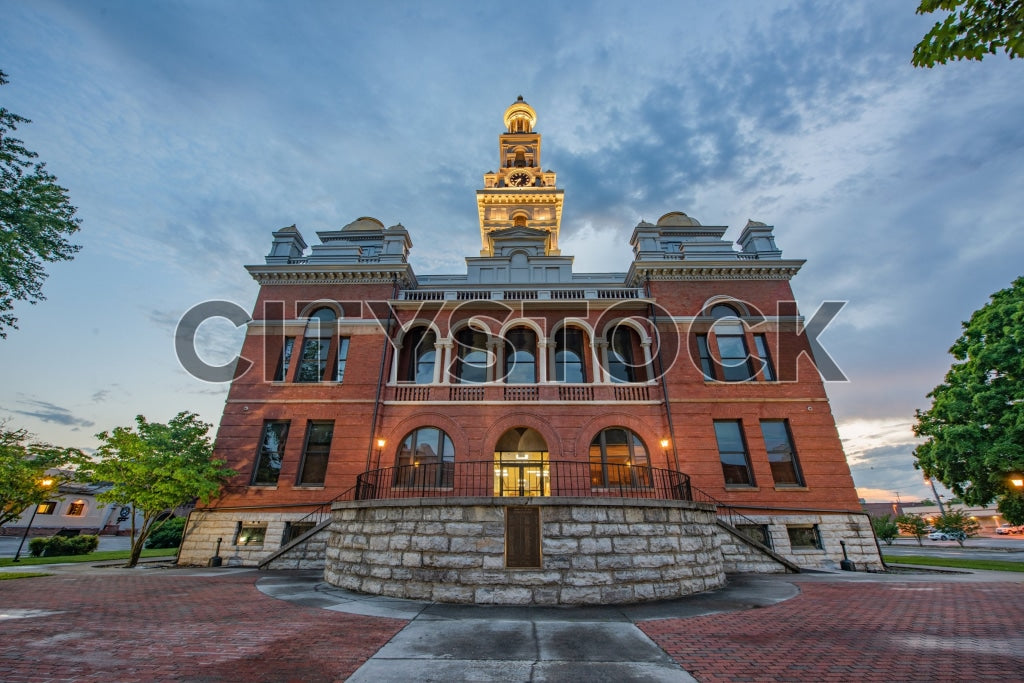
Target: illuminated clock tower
[519, 194]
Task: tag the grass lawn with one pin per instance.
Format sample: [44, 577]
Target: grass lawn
[5, 576]
[91, 557]
[955, 562]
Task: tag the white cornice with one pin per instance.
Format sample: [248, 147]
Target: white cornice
[712, 270]
[303, 274]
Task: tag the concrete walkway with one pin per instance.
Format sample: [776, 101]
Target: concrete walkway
[485, 643]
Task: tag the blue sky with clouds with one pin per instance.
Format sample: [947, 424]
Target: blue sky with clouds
[187, 131]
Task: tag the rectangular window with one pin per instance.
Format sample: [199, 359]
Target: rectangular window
[250, 533]
[756, 532]
[268, 459]
[285, 360]
[732, 450]
[706, 365]
[804, 536]
[342, 357]
[314, 359]
[781, 456]
[767, 371]
[293, 530]
[313, 469]
[47, 508]
[732, 348]
[76, 509]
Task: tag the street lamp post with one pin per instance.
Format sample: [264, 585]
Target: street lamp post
[928, 480]
[45, 483]
[380, 447]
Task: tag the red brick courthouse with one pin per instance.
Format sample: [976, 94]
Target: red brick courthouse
[520, 432]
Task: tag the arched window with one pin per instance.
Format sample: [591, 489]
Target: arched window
[719, 311]
[316, 347]
[569, 365]
[624, 354]
[425, 459]
[521, 356]
[618, 458]
[473, 359]
[419, 356]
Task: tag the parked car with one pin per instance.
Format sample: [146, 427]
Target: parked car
[1004, 529]
[947, 536]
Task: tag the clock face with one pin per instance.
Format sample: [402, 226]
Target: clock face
[519, 179]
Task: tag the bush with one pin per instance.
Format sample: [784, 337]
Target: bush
[55, 546]
[885, 528]
[168, 534]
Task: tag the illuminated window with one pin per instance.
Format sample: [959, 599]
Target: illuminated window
[250, 533]
[47, 508]
[76, 509]
[618, 458]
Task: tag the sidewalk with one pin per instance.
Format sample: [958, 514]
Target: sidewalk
[232, 624]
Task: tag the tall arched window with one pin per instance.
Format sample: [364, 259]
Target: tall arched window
[418, 356]
[425, 459]
[472, 360]
[569, 365]
[624, 355]
[521, 356]
[618, 458]
[316, 346]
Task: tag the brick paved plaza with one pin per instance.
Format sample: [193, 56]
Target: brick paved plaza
[173, 625]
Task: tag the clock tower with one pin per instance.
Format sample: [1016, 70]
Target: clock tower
[519, 194]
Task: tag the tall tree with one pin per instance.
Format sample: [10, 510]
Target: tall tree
[155, 468]
[35, 219]
[29, 472]
[973, 29]
[975, 425]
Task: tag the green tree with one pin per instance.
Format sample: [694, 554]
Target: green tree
[974, 429]
[973, 29]
[960, 523]
[912, 525]
[29, 472]
[885, 528]
[155, 468]
[35, 220]
[1011, 507]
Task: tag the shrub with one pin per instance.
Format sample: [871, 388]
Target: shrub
[168, 534]
[885, 528]
[55, 546]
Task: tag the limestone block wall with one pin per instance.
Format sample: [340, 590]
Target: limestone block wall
[854, 529]
[593, 551]
[309, 554]
[741, 558]
[206, 526]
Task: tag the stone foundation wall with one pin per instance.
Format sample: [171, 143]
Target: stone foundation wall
[204, 527]
[742, 558]
[853, 529]
[594, 551]
[308, 554]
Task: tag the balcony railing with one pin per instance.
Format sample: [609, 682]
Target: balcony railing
[500, 293]
[521, 393]
[486, 478]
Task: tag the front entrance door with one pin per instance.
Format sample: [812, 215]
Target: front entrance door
[521, 464]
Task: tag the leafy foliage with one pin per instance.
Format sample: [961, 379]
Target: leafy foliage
[956, 521]
[168, 534]
[975, 425]
[1011, 507]
[25, 469]
[35, 219]
[155, 468]
[57, 546]
[912, 525]
[973, 29]
[885, 528]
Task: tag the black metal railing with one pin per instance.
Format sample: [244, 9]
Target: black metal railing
[523, 478]
[322, 512]
[729, 514]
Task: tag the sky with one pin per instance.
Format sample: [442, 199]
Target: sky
[185, 132]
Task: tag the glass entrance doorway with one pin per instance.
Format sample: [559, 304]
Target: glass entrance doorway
[521, 464]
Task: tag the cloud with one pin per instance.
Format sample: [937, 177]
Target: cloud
[100, 396]
[48, 412]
